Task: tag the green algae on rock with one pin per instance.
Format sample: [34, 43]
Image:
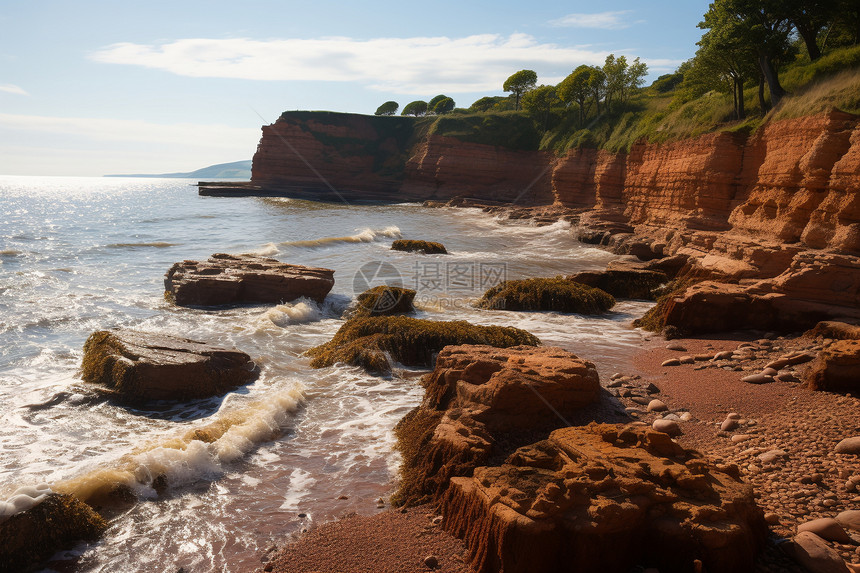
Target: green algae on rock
[32, 536]
[623, 283]
[553, 294]
[412, 246]
[369, 341]
[384, 300]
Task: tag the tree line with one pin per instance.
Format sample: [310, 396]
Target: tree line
[439, 105]
[747, 41]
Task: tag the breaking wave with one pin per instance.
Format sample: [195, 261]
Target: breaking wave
[363, 236]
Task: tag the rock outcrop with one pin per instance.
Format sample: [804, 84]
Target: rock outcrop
[632, 283]
[836, 368]
[478, 395]
[136, 366]
[34, 535]
[236, 279]
[605, 498]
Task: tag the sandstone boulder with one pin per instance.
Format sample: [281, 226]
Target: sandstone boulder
[479, 395]
[835, 329]
[623, 283]
[605, 498]
[815, 555]
[138, 366]
[235, 279]
[56, 523]
[836, 368]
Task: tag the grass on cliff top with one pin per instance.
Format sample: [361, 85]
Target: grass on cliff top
[369, 341]
[552, 294]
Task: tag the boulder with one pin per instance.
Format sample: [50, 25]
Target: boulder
[416, 246]
[238, 279]
[605, 498]
[58, 522]
[371, 341]
[826, 528]
[623, 283]
[850, 446]
[139, 366]
[383, 300]
[836, 368]
[834, 329]
[552, 294]
[815, 555]
[475, 397]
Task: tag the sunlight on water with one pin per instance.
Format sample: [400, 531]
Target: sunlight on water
[299, 445]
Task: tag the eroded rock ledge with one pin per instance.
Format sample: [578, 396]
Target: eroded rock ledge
[604, 498]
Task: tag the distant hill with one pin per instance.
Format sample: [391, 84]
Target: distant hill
[235, 170]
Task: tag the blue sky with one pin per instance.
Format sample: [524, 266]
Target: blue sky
[95, 87]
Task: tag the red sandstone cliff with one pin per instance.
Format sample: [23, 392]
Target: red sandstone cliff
[759, 200]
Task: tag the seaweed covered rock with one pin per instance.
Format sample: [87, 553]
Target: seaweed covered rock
[32, 536]
[384, 300]
[139, 366]
[476, 397]
[605, 498]
[631, 283]
[369, 341]
[236, 279]
[836, 368]
[415, 246]
[553, 294]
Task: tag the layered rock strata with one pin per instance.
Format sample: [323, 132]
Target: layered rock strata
[475, 396]
[235, 279]
[605, 498]
[137, 366]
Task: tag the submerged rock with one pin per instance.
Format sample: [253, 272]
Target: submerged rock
[58, 522]
[235, 279]
[604, 498]
[140, 366]
[553, 294]
[369, 341]
[415, 246]
[384, 301]
[628, 283]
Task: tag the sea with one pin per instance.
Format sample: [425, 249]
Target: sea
[299, 446]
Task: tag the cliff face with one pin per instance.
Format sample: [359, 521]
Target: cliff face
[793, 186]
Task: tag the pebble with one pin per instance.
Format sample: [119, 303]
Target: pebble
[733, 416]
[687, 359]
[772, 456]
[652, 388]
[849, 519]
[813, 553]
[757, 379]
[826, 528]
[676, 346]
[657, 406]
[777, 364]
[728, 424]
[614, 384]
[671, 362]
[686, 416]
[849, 446]
[642, 400]
[771, 518]
[667, 427]
[770, 371]
[724, 355]
[431, 561]
[738, 438]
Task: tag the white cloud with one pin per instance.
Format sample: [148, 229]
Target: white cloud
[420, 65]
[601, 20]
[135, 131]
[13, 89]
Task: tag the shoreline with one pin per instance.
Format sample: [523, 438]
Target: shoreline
[799, 487]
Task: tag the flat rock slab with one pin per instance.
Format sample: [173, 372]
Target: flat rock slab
[140, 366]
[235, 279]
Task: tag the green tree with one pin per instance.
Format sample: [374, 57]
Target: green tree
[615, 70]
[809, 18]
[597, 86]
[760, 24]
[519, 83]
[484, 104]
[388, 108]
[442, 106]
[577, 88]
[416, 108]
[539, 101]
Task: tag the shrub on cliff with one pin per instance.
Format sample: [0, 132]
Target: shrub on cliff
[384, 300]
[554, 294]
[412, 246]
[368, 341]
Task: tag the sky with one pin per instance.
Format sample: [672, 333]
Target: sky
[95, 87]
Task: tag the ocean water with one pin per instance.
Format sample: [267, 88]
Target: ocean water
[299, 446]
